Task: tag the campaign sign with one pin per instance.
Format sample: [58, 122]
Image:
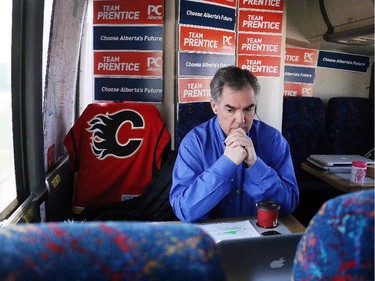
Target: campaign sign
[128, 38]
[300, 56]
[274, 5]
[257, 21]
[298, 74]
[128, 12]
[231, 3]
[135, 63]
[207, 40]
[194, 89]
[204, 14]
[259, 44]
[260, 65]
[298, 90]
[343, 61]
[129, 89]
[198, 64]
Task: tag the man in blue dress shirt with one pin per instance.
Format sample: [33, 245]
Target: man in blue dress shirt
[229, 163]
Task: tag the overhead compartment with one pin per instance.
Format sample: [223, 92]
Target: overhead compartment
[346, 25]
[349, 21]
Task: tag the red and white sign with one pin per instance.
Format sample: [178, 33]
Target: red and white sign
[128, 63]
[207, 40]
[274, 5]
[300, 56]
[298, 90]
[259, 44]
[194, 89]
[257, 21]
[260, 65]
[230, 3]
[129, 12]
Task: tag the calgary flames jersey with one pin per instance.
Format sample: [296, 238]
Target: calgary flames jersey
[114, 146]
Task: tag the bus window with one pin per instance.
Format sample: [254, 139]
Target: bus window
[8, 191]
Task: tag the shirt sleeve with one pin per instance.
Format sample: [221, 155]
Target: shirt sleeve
[272, 176]
[196, 190]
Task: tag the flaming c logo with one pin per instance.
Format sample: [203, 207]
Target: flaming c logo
[105, 130]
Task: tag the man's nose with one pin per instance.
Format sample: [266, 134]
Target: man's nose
[240, 117]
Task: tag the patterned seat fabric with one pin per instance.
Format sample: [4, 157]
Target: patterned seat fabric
[108, 251]
[339, 241]
[350, 124]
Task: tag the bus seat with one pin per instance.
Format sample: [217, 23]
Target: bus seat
[108, 251]
[189, 116]
[350, 124]
[339, 242]
[114, 147]
[303, 126]
[60, 183]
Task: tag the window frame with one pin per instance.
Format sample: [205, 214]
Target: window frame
[27, 97]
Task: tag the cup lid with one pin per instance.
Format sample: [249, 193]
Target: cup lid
[359, 164]
[268, 205]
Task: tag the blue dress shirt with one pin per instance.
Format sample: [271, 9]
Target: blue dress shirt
[207, 184]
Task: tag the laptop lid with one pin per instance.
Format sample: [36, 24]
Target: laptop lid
[339, 159]
[332, 169]
[263, 258]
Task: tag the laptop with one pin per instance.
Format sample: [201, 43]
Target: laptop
[331, 160]
[265, 258]
[332, 169]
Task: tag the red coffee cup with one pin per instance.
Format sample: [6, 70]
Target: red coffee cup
[268, 213]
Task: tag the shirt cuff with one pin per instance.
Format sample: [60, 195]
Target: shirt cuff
[224, 166]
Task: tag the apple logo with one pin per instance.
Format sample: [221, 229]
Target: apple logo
[278, 263]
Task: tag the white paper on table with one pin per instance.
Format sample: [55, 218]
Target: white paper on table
[230, 230]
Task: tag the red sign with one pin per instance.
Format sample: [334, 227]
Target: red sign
[274, 5]
[298, 90]
[231, 3]
[128, 63]
[194, 89]
[256, 21]
[260, 65]
[299, 56]
[259, 44]
[207, 40]
[128, 12]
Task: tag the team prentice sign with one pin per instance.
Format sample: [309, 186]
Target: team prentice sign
[128, 50]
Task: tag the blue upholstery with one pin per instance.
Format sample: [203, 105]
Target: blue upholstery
[304, 128]
[339, 242]
[350, 124]
[189, 116]
[108, 251]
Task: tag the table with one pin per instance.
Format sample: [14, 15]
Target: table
[334, 180]
[290, 222]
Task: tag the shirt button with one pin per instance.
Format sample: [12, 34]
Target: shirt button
[238, 192]
[232, 180]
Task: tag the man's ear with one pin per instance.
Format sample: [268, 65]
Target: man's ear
[213, 106]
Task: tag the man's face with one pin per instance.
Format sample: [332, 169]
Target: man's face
[235, 109]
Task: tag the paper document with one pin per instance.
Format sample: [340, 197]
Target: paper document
[230, 230]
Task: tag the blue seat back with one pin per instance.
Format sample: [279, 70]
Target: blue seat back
[189, 116]
[303, 126]
[108, 251]
[350, 124]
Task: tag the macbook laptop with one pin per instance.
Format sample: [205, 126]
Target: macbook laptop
[265, 258]
[332, 169]
[338, 159]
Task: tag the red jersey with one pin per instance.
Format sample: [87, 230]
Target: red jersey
[113, 147]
